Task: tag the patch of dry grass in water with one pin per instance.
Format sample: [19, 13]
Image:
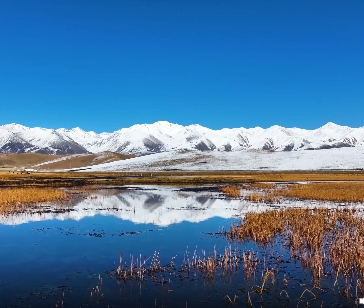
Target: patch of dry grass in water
[232, 191]
[316, 236]
[267, 197]
[338, 192]
[259, 185]
[329, 191]
[17, 199]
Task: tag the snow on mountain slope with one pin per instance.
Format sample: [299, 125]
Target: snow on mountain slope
[335, 158]
[22, 139]
[163, 136]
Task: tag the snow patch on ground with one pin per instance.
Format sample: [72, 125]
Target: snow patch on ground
[341, 158]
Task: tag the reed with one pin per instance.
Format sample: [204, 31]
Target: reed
[228, 262]
[317, 237]
[266, 197]
[332, 191]
[254, 197]
[232, 191]
[260, 185]
[96, 293]
[328, 191]
[19, 199]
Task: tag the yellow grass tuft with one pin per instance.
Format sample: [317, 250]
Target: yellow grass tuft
[232, 191]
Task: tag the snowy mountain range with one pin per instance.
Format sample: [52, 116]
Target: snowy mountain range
[163, 136]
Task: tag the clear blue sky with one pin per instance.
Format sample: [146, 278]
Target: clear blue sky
[104, 65]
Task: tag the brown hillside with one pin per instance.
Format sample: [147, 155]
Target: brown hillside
[24, 160]
[84, 160]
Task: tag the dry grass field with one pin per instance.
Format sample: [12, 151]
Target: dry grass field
[337, 192]
[174, 178]
[18, 199]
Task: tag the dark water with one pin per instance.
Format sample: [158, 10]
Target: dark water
[57, 259]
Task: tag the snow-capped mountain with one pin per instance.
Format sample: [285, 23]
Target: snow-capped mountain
[16, 138]
[163, 136]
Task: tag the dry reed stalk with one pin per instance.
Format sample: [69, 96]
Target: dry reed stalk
[266, 276]
[309, 291]
[250, 304]
[287, 296]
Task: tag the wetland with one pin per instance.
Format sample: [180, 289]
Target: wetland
[245, 245]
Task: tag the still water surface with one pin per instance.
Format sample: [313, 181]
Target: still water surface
[57, 258]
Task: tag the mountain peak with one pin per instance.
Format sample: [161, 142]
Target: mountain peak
[330, 125]
[163, 136]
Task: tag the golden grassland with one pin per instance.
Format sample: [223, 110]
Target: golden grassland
[317, 237]
[18, 199]
[173, 178]
[338, 192]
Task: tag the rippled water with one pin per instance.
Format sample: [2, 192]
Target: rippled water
[64, 253]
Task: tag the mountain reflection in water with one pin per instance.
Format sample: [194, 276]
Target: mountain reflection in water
[161, 207]
[168, 245]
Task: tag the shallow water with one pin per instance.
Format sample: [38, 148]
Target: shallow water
[63, 254]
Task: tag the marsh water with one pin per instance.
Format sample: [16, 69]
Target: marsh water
[67, 256]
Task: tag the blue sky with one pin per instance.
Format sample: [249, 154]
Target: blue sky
[104, 65]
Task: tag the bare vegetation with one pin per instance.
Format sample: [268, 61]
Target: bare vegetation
[327, 191]
[256, 180]
[18, 199]
[232, 191]
[338, 192]
[316, 236]
[260, 185]
[141, 269]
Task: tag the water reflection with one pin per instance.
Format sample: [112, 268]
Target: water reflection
[161, 206]
[62, 256]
